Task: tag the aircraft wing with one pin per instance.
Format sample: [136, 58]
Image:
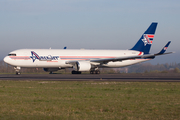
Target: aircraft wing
[104, 61]
[147, 56]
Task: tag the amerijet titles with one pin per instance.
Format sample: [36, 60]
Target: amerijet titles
[42, 58]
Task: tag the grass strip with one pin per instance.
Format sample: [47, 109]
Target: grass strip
[89, 100]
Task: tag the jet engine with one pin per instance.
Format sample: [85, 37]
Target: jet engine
[82, 66]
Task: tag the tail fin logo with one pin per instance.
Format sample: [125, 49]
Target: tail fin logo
[147, 39]
[42, 58]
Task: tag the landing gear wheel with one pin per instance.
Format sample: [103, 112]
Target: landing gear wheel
[94, 72]
[18, 73]
[97, 72]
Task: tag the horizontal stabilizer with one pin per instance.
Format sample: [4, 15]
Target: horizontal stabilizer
[164, 48]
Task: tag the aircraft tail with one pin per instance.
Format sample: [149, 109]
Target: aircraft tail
[145, 42]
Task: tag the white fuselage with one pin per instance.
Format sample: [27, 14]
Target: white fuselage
[56, 58]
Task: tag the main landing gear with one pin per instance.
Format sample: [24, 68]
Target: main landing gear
[17, 70]
[94, 71]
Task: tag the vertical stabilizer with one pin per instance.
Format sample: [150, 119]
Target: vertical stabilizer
[146, 40]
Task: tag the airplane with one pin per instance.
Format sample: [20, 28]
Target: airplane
[85, 60]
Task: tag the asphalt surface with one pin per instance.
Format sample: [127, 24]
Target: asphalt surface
[163, 77]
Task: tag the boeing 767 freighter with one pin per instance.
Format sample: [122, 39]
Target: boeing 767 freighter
[85, 60]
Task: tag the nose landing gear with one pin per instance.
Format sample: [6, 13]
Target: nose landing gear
[17, 70]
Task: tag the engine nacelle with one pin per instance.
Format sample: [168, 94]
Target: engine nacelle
[82, 66]
[51, 69]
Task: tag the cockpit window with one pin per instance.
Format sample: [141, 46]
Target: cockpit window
[12, 54]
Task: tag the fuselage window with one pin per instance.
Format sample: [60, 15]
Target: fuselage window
[12, 54]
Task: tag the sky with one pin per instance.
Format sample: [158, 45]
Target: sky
[89, 24]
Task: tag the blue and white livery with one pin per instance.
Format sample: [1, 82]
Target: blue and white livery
[85, 60]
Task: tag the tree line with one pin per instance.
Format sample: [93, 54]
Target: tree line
[148, 67]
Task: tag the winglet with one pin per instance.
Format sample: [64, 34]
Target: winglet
[164, 48]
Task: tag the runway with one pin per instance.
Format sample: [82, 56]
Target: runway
[162, 77]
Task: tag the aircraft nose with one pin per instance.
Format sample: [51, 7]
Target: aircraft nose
[6, 59]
